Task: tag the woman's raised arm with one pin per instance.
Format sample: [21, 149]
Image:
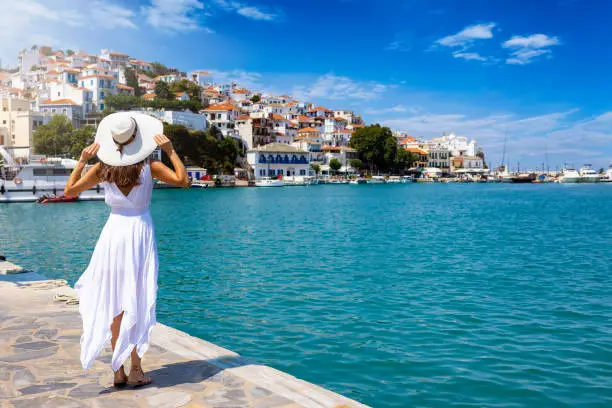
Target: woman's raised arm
[76, 185]
[176, 177]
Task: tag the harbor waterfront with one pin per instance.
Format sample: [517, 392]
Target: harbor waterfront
[391, 294]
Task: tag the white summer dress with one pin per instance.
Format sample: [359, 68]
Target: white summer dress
[121, 276]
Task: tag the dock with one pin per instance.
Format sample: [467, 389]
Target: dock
[40, 330]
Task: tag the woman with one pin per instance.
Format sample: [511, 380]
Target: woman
[118, 290]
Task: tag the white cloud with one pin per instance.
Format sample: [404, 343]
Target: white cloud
[393, 109]
[245, 10]
[333, 87]
[525, 50]
[243, 78]
[56, 22]
[469, 56]
[558, 134]
[173, 15]
[466, 37]
[398, 45]
[112, 16]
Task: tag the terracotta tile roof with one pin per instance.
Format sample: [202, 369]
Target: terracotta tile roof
[243, 117]
[343, 131]
[320, 108]
[357, 126]
[221, 107]
[52, 72]
[408, 139]
[339, 119]
[118, 54]
[305, 119]
[241, 91]
[121, 86]
[179, 94]
[59, 102]
[274, 116]
[308, 130]
[416, 150]
[149, 96]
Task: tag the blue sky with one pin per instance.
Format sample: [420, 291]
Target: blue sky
[536, 70]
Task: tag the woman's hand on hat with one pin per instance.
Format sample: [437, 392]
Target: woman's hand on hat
[163, 142]
[89, 152]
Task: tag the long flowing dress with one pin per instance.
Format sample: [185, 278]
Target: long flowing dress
[121, 276]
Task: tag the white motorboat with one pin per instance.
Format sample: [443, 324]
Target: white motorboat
[358, 181]
[295, 181]
[607, 176]
[569, 176]
[407, 179]
[394, 180]
[588, 175]
[269, 182]
[377, 180]
[47, 176]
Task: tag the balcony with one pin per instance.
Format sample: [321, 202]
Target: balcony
[283, 159]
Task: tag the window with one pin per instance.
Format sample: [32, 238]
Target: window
[53, 110]
[91, 82]
[302, 172]
[101, 106]
[64, 111]
[101, 94]
[58, 94]
[4, 122]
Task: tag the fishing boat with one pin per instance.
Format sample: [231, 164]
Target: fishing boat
[269, 182]
[524, 178]
[28, 182]
[358, 181]
[588, 175]
[569, 176]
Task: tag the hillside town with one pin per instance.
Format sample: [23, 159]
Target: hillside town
[279, 135]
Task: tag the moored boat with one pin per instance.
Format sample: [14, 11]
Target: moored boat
[588, 175]
[269, 182]
[377, 180]
[569, 176]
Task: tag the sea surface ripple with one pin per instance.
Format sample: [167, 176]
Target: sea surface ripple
[394, 295]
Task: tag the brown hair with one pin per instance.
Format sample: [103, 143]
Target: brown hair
[122, 176]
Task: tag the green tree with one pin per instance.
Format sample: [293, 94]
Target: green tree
[80, 139]
[69, 52]
[227, 154]
[185, 85]
[162, 91]
[376, 146]
[158, 69]
[316, 168]
[256, 98]
[335, 165]
[356, 164]
[131, 79]
[55, 137]
[404, 160]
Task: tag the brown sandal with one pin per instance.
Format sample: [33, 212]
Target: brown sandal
[140, 383]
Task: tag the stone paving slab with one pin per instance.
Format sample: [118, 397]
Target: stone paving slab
[40, 367]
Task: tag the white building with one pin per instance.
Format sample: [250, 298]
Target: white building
[223, 116]
[16, 125]
[100, 86]
[201, 78]
[277, 159]
[65, 107]
[438, 155]
[457, 145]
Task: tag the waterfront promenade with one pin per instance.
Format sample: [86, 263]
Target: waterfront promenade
[39, 363]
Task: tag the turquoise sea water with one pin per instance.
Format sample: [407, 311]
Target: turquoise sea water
[395, 295]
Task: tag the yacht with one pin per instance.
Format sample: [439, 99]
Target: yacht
[607, 176]
[269, 182]
[588, 175]
[569, 176]
[377, 180]
[46, 176]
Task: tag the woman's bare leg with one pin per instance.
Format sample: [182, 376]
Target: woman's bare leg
[137, 376]
[120, 376]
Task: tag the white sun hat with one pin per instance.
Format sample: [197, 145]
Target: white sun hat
[126, 138]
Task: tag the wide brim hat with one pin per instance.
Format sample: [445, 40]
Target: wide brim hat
[126, 138]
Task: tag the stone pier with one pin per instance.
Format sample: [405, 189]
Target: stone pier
[39, 363]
